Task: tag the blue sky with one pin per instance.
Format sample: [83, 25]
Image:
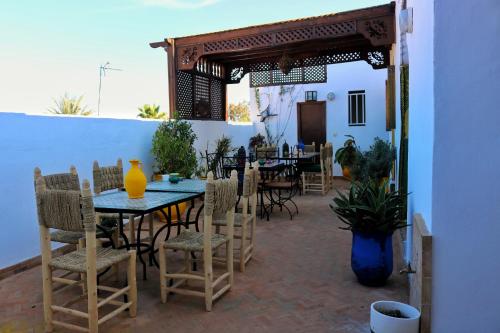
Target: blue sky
[49, 48]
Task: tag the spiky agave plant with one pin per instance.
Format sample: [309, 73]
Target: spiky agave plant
[369, 208]
[70, 106]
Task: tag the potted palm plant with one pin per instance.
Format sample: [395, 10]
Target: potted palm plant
[372, 215]
[346, 155]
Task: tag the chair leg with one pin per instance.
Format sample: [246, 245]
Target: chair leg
[243, 242]
[92, 303]
[116, 267]
[47, 297]
[132, 283]
[47, 277]
[80, 246]
[229, 262]
[163, 270]
[208, 271]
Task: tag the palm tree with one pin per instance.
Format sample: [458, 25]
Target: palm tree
[151, 112]
[70, 106]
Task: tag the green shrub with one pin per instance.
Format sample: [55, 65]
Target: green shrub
[173, 147]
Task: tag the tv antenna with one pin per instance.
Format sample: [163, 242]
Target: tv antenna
[102, 72]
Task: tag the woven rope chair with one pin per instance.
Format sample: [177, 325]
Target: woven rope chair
[315, 177]
[73, 210]
[108, 178]
[70, 181]
[220, 198]
[245, 222]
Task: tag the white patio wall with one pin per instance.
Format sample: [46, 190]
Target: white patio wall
[421, 109]
[341, 79]
[466, 197]
[453, 156]
[55, 143]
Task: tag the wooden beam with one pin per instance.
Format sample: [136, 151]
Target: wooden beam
[172, 78]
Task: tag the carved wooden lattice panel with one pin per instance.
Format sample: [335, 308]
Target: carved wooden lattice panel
[254, 41]
[294, 35]
[314, 74]
[201, 105]
[220, 45]
[200, 97]
[294, 76]
[185, 95]
[281, 37]
[336, 29]
[217, 99]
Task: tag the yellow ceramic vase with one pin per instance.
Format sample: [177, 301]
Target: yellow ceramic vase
[135, 181]
[174, 218]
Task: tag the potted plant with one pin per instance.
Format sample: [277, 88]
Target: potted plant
[372, 215]
[379, 160]
[394, 317]
[174, 152]
[375, 163]
[173, 148]
[256, 141]
[346, 155]
[222, 149]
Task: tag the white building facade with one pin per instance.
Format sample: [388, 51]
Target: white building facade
[341, 79]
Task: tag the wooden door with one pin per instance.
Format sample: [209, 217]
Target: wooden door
[311, 122]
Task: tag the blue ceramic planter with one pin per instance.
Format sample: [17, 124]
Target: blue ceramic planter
[371, 257]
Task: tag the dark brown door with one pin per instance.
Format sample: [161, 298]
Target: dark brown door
[311, 122]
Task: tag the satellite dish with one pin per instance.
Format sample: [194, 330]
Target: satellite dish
[330, 96]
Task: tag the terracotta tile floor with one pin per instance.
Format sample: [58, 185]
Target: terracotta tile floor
[300, 280]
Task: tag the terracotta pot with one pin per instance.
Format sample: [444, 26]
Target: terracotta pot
[157, 177]
[346, 172]
[135, 181]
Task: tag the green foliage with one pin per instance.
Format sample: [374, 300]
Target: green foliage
[376, 163]
[368, 208]
[257, 98]
[70, 106]
[151, 112]
[223, 149]
[239, 112]
[347, 154]
[173, 147]
[256, 140]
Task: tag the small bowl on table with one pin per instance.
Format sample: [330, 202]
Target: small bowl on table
[174, 178]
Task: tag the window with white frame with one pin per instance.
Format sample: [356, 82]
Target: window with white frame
[356, 108]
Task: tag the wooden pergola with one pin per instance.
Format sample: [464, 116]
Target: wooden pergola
[200, 66]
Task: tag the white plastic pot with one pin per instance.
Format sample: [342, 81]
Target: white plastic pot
[381, 323]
